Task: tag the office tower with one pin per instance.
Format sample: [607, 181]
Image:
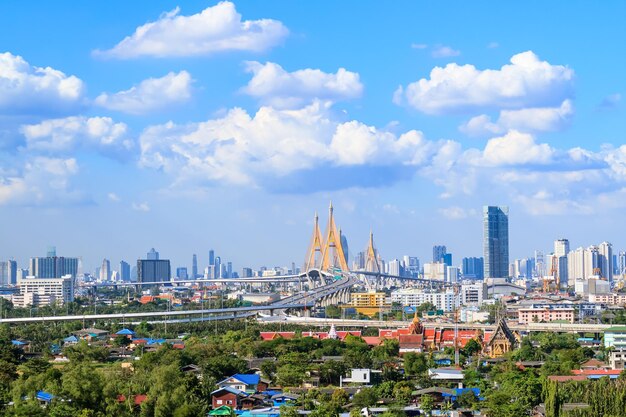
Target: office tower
[621, 259]
[229, 270]
[359, 261]
[472, 268]
[496, 241]
[181, 272]
[438, 252]
[153, 255]
[194, 267]
[293, 268]
[540, 264]
[12, 272]
[4, 273]
[105, 270]
[605, 250]
[52, 252]
[125, 271]
[153, 270]
[615, 265]
[222, 271]
[447, 259]
[344, 245]
[133, 273]
[211, 257]
[246, 273]
[218, 267]
[411, 265]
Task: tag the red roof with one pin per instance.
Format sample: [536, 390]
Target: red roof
[372, 340]
[596, 372]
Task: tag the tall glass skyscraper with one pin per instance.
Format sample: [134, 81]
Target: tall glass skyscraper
[496, 241]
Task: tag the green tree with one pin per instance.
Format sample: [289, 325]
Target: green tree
[427, 404]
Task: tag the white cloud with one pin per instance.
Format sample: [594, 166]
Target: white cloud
[419, 45]
[258, 149]
[41, 181]
[78, 132]
[275, 86]
[144, 207]
[492, 45]
[29, 90]
[526, 82]
[516, 148]
[217, 28]
[540, 119]
[150, 95]
[442, 51]
[113, 197]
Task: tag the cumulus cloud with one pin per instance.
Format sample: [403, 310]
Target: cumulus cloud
[217, 28]
[150, 95]
[272, 145]
[525, 82]
[540, 119]
[30, 90]
[41, 181]
[611, 101]
[67, 135]
[456, 212]
[113, 197]
[516, 148]
[273, 85]
[442, 51]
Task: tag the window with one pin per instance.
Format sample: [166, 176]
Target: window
[218, 401]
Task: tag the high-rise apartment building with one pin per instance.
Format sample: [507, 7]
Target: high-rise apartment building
[605, 249]
[218, 267]
[621, 260]
[496, 241]
[472, 268]
[561, 249]
[438, 252]
[181, 272]
[229, 269]
[53, 266]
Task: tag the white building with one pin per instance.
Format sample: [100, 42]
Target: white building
[452, 274]
[473, 294]
[446, 301]
[435, 271]
[44, 291]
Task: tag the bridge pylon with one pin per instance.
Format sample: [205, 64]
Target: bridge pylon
[332, 252]
[314, 254]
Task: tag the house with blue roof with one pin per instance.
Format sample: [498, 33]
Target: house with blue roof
[126, 332]
[249, 383]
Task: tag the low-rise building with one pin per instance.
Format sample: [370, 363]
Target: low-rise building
[615, 337]
[617, 359]
[443, 300]
[363, 377]
[369, 303]
[612, 299]
[544, 315]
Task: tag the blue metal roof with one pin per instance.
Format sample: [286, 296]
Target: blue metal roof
[17, 342]
[125, 332]
[71, 339]
[231, 390]
[248, 379]
[44, 396]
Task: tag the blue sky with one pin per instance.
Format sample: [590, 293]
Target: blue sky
[128, 125]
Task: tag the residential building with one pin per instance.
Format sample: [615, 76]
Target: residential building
[53, 267]
[496, 241]
[248, 383]
[362, 377]
[369, 303]
[181, 273]
[105, 270]
[615, 337]
[617, 359]
[452, 274]
[472, 268]
[544, 315]
[435, 271]
[473, 294]
[605, 250]
[612, 299]
[414, 297]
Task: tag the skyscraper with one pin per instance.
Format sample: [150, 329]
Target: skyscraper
[496, 241]
[621, 259]
[438, 253]
[153, 255]
[344, 245]
[153, 270]
[125, 271]
[52, 252]
[181, 272]
[218, 267]
[229, 270]
[105, 270]
[53, 267]
[194, 267]
[211, 257]
[605, 249]
[473, 268]
[561, 249]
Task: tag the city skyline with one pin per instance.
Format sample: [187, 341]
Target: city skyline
[110, 146]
